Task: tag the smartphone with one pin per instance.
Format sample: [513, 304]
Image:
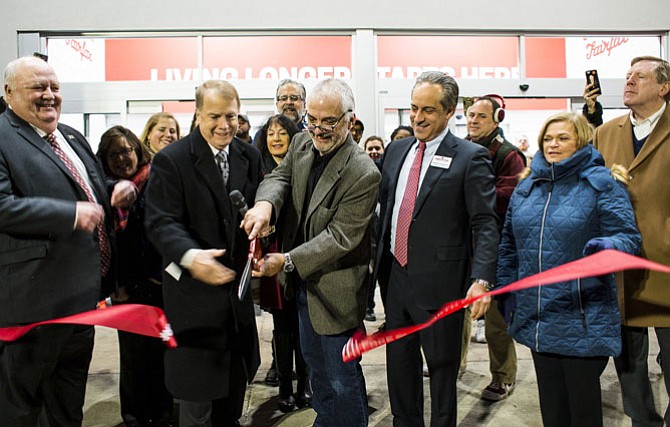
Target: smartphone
[592, 78]
[41, 56]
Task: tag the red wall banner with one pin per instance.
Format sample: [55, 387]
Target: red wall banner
[461, 57]
[151, 59]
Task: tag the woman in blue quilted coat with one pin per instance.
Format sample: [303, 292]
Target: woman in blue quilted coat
[568, 206]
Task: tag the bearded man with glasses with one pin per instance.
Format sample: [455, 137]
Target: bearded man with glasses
[333, 187]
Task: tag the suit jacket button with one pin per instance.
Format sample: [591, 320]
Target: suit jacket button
[226, 222]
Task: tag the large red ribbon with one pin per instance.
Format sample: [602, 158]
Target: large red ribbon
[604, 262]
[136, 318]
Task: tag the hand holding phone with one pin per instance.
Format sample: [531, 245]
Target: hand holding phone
[593, 80]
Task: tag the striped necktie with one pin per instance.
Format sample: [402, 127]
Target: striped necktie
[407, 206]
[103, 239]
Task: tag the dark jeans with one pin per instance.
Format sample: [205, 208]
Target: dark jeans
[569, 387]
[633, 372]
[340, 397]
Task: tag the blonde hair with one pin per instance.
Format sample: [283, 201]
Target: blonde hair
[152, 122]
[620, 173]
[581, 126]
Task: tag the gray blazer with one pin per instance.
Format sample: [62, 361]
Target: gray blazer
[335, 255]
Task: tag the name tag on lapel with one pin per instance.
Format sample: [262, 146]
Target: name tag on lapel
[441, 162]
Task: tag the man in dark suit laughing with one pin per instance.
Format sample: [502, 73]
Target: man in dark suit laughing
[55, 246]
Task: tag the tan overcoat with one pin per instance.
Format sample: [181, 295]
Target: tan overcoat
[644, 296]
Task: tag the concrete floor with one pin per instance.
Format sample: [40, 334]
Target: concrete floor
[520, 409]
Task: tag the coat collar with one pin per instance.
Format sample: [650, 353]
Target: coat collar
[447, 148]
[206, 167]
[331, 174]
[658, 136]
[302, 165]
[27, 132]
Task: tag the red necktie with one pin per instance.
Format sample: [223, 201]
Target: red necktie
[103, 240]
[407, 206]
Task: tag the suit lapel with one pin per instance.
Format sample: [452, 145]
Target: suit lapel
[29, 134]
[655, 139]
[331, 175]
[97, 182]
[302, 165]
[239, 165]
[625, 142]
[447, 148]
[206, 167]
[395, 165]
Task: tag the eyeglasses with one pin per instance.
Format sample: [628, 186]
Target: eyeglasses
[293, 98]
[327, 125]
[118, 154]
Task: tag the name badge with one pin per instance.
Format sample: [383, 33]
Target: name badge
[441, 162]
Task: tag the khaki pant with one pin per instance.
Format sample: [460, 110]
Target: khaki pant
[502, 353]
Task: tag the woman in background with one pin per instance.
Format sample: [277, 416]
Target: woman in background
[401, 132]
[273, 142]
[161, 130]
[568, 206]
[144, 399]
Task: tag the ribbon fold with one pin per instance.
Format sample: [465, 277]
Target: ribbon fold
[136, 318]
[604, 262]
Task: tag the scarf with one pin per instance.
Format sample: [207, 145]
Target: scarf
[121, 214]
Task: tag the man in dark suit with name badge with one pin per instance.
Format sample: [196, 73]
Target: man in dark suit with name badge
[192, 222]
[438, 241]
[55, 246]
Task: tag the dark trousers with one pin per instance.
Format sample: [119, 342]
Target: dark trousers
[142, 389]
[286, 345]
[45, 371]
[633, 372]
[441, 344]
[223, 412]
[569, 389]
[339, 395]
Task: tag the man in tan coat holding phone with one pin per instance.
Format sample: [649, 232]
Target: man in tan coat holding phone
[640, 141]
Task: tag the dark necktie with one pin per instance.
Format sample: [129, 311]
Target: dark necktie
[222, 162]
[103, 240]
[407, 206]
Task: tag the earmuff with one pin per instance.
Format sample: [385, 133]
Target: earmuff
[498, 103]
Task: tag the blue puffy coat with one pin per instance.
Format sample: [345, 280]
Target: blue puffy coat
[551, 216]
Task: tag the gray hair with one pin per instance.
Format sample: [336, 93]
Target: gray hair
[449, 98]
[662, 70]
[333, 88]
[286, 82]
[13, 66]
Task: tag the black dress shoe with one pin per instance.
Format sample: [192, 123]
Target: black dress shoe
[286, 404]
[304, 398]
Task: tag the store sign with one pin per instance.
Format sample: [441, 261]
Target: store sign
[611, 56]
[405, 57]
[319, 57]
[77, 60]
[277, 57]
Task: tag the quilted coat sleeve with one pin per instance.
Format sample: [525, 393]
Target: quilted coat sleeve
[617, 219]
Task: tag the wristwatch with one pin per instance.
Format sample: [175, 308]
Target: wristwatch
[486, 284]
[288, 263]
